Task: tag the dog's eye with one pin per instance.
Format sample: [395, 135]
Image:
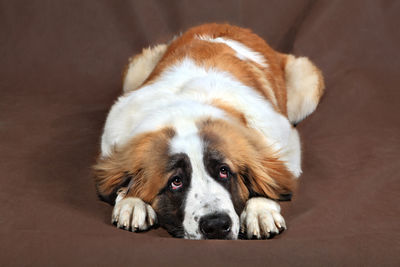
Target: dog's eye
[176, 183]
[223, 172]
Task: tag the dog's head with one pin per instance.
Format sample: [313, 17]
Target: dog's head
[197, 176]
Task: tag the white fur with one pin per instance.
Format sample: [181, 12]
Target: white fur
[304, 87]
[242, 51]
[142, 65]
[205, 195]
[291, 155]
[132, 213]
[261, 218]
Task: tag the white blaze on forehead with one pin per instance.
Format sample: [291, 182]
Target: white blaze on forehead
[242, 51]
[205, 195]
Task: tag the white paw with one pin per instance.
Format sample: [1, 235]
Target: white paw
[133, 214]
[261, 218]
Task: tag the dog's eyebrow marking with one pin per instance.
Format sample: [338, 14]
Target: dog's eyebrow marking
[179, 160]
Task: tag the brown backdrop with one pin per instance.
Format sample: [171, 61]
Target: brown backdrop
[60, 68]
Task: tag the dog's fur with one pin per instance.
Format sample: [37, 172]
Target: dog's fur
[202, 141]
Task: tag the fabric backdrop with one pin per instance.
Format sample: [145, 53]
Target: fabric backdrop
[60, 71]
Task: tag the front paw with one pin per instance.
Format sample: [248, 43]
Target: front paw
[261, 219]
[133, 214]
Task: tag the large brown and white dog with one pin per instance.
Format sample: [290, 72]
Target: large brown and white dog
[202, 141]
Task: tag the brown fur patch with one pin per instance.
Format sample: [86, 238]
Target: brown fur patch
[256, 164]
[230, 110]
[143, 159]
[221, 56]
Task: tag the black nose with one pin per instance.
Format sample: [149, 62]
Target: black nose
[215, 226]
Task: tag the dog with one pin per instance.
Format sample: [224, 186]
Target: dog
[202, 142]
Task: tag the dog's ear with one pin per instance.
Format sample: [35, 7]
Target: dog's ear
[122, 168]
[270, 178]
[140, 164]
[304, 85]
[109, 176]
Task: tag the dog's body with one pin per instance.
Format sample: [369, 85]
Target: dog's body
[202, 140]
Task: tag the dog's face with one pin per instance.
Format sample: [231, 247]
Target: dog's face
[199, 199]
[202, 197]
[199, 177]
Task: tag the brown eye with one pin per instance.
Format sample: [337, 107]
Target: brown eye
[176, 183]
[223, 172]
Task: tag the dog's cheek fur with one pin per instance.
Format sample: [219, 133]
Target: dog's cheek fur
[239, 195]
[170, 214]
[269, 177]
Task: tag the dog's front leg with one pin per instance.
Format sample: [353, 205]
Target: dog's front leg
[261, 218]
[132, 213]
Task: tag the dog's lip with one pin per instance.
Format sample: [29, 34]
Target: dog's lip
[231, 236]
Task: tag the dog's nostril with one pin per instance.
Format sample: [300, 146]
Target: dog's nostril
[226, 227]
[215, 226]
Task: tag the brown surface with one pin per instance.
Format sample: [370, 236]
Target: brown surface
[60, 73]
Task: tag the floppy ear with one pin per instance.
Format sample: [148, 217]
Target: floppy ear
[270, 178]
[121, 169]
[304, 85]
[110, 176]
[134, 161]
